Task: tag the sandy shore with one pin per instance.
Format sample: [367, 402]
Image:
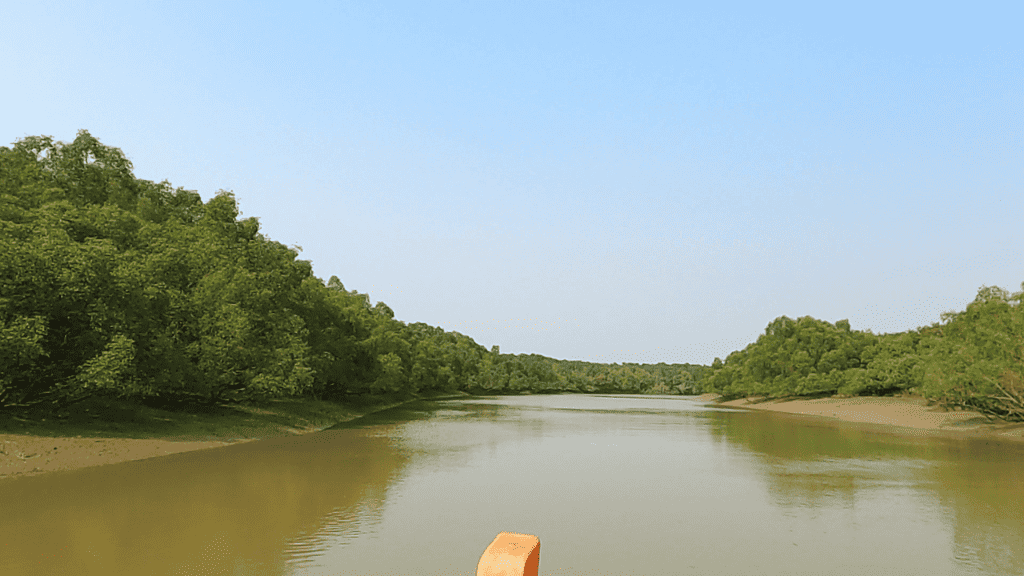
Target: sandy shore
[22, 455]
[32, 454]
[904, 414]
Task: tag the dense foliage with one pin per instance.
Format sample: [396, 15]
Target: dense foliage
[111, 284]
[976, 359]
[116, 285]
[972, 360]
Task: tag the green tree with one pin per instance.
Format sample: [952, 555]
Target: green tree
[978, 363]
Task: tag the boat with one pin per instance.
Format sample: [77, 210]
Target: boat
[510, 554]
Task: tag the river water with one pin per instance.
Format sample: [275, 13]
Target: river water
[610, 484]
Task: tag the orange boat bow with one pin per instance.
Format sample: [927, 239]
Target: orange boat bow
[510, 554]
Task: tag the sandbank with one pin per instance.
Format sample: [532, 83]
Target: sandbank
[22, 455]
[81, 439]
[900, 414]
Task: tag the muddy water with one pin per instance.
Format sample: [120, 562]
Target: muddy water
[610, 485]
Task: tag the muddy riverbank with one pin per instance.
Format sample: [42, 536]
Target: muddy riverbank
[106, 431]
[902, 414]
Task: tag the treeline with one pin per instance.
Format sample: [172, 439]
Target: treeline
[110, 284]
[972, 360]
[531, 373]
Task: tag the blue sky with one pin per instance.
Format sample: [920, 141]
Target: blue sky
[603, 181]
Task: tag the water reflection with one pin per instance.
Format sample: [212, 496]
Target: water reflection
[239, 509]
[611, 485]
[974, 487]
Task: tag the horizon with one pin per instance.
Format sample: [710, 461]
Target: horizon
[604, 182]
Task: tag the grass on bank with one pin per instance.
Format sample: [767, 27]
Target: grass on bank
[109, 417]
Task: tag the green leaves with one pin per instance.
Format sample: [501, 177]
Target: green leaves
[974, 360]
[21, 347]
[132, 287]
[221, 209]
[113, 369]
[793, 357]
[115, 284]
[392, 375]
[978, 362]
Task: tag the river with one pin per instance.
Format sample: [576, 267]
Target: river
[640, 485]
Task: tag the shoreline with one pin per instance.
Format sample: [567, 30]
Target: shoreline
[40, 448]
[36, 449]
[906, 415]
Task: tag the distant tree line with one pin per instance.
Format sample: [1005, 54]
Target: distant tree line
[532, 373]
[110, 284]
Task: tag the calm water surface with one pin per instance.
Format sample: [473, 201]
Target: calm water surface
[610, 485]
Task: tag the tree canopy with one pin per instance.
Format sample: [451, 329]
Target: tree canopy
[110, 284]
[972, 360]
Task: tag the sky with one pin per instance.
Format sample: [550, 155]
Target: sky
[601, 181]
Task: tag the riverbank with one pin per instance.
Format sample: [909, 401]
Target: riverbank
[102, 431]
[899, 414]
